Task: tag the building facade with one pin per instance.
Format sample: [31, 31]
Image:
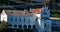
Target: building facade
[36, 21]
[55, 24]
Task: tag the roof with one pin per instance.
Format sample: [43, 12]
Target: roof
[54, 18]
[36, 10]
[17, 13]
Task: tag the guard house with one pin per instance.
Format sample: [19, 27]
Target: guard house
[38, 19]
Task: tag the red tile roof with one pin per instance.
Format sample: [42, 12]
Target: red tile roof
[37, 10]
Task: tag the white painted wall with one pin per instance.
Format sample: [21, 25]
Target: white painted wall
[3, 16]
[0, 17]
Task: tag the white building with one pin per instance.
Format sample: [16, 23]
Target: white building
[19, 20]
[0, 16]
[3, 16]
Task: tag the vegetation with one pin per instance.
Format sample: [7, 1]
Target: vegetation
[3, 1]
[54, 8]
[2, 25]
[55, 13]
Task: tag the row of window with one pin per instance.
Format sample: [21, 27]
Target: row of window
[16, 19]
[47, 26]
[56, 24]
[55, 20]
[20, 26]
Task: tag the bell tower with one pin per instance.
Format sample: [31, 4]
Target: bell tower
[45, 13]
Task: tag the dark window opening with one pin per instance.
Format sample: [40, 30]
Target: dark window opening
[20, 26]
[25, 26]
[45, 31]
[15, 19]
[11, 18]
[24, 19]
[34, 26]
[44, 13]
[29, 26]
[15, 25]
[20, 19]
[45, 25]
[55, 28]
[9, 25]
[29, 21]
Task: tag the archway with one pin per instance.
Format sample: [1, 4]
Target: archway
[25, 27]
[20, 26]
[34, 26]
[15, 25]
[29, 26]
[9, 25]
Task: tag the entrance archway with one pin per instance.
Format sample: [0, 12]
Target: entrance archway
[34, 26]
[29, 26]
[25, 27]
[20, 26]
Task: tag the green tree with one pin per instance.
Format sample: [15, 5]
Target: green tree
[3, 25]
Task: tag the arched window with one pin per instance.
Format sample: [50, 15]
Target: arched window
[24, 26]
[9, 25]
[20, 26]
[15, 25]
[29, 26]
[34, 26]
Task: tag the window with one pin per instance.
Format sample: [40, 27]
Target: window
[9, 25]
[11, 18]
[45, 31]
[25, 26]
[15, 25]
[34, 26]
[44, 13]
[46, 18]
[52, 24]
[29, 26]
[15, 19]
[20, 26]
[24, 19]
[20, 19]
[45, 25]
[28, 20]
